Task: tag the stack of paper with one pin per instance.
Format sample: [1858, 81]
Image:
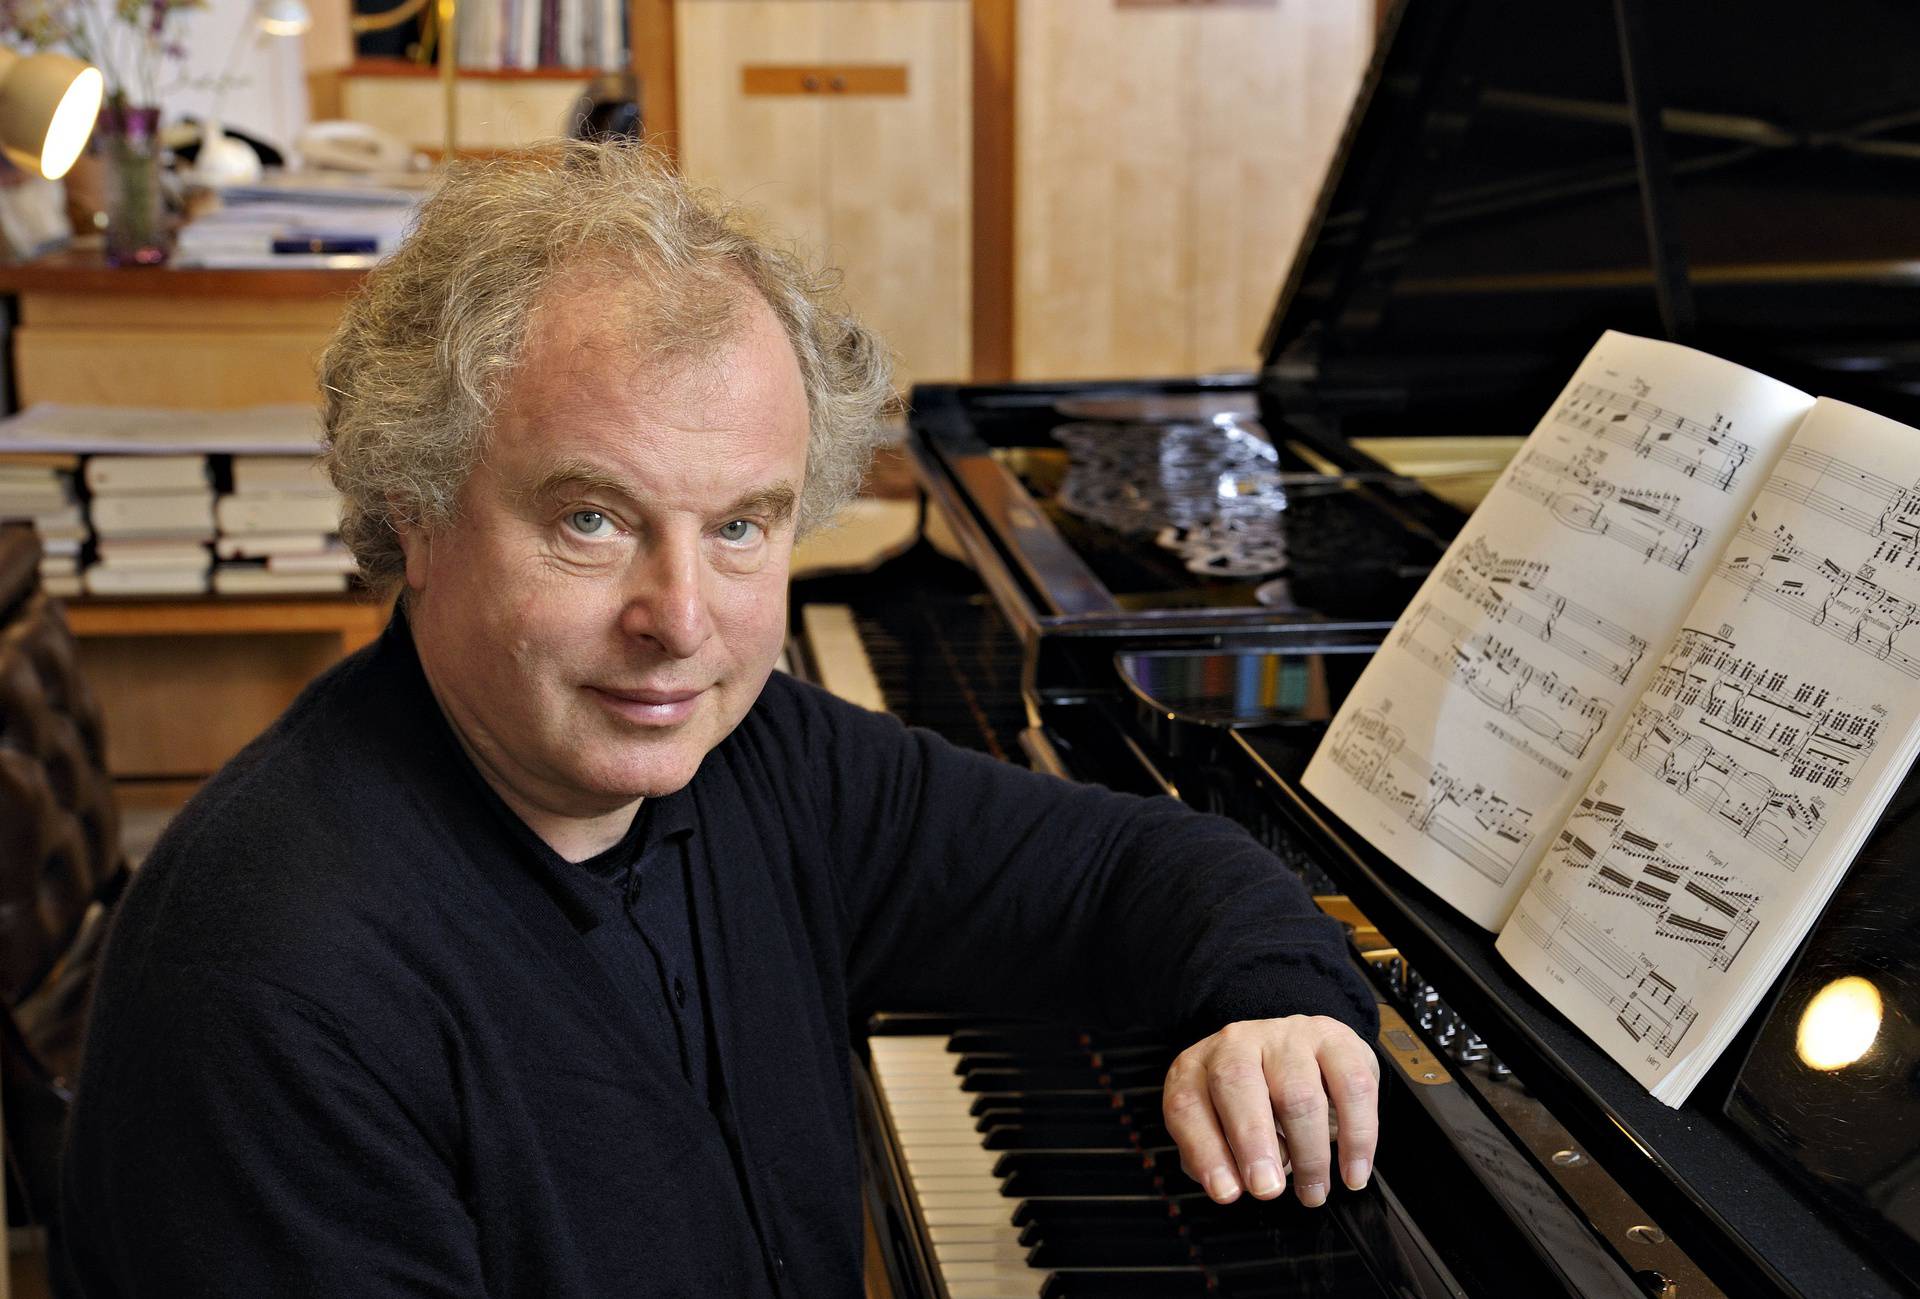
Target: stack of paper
[279, 529]
[39, 490]
[152, 518]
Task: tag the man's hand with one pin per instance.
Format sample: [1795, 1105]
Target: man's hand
[1250, 1101]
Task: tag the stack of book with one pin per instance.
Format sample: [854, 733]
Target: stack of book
[279, 529]
[152, 519]
[38, 489]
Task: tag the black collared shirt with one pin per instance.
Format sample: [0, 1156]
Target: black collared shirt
[644, 933]
[353, 1035]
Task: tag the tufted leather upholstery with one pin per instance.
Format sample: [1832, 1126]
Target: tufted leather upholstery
[60, 862]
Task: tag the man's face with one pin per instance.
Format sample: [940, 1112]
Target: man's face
[612, 596]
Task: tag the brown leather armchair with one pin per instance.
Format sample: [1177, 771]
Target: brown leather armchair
[61, 868]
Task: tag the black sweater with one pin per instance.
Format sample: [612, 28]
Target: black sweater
[349, 1039]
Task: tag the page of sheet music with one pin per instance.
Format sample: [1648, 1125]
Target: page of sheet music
[1766, 743]
[1463, 745]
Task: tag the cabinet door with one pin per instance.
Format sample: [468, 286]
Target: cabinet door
[899, 176]
[1166, 157]
[742, 133]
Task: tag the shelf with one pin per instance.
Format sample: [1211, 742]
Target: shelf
[424, 71]
[355, 618]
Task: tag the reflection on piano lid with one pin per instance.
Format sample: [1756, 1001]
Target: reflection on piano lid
[1245, 689]
[1832, 1086]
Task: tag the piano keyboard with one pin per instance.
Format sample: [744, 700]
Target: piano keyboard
[1040, 1168]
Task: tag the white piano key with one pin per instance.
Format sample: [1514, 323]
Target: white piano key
[969, 1221]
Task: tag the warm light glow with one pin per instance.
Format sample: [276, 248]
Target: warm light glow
[72, 124]
[283, 17]
[1839, 1024]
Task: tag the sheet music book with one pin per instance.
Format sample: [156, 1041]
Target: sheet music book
[1648, 706]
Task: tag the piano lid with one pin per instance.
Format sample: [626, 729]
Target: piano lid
[1484, 218]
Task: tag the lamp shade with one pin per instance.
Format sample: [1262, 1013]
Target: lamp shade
[283, 17]
[48, 103]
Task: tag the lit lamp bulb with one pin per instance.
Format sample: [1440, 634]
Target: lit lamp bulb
[1839, 1024]
[48, 103]
[283, 17]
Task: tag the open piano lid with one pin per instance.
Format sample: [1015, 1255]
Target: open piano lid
[1485, 219]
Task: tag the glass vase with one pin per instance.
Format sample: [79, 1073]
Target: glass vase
[138, 231]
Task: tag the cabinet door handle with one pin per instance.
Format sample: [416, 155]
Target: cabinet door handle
[866, 79]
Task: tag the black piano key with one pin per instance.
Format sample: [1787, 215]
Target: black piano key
[1065, 1249]
[1147, 1210]
[1154, 1057]
[1005, 1078]
[1043, 1135]
[1129, 1100]
[1028, 1174]
[1143, 1283]
[1019, 1039]
[1057, 1136]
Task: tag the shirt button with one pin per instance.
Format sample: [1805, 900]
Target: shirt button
[779, 1265]
[679, 991]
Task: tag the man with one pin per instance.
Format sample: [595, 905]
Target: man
[518, 958]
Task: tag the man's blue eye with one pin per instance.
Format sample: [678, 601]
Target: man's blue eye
[738, 530]
[586, 522]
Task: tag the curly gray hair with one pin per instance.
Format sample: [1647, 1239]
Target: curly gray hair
[420, 363]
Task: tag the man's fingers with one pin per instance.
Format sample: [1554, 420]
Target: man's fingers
[1298, 1103]
[1353, 1083]
[1188, 1108]
[1237, 1081]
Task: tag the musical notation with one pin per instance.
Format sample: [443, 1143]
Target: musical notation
[1578, 496]
[1777, 822]
[1871, 505]
[1645, 1002]
[1514, 591]
[1469, 819]
[1702, 450]
[1500, 676]
[1699, 908]
[1844, 602]
[1793, 723]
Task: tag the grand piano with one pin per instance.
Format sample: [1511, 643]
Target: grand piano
[1169, 585]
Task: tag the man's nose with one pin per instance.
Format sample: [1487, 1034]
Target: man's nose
[667, 598]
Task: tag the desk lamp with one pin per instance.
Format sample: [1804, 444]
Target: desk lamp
[221, 157]
[48, 103]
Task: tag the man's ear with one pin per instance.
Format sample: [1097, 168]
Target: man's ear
[416, 543]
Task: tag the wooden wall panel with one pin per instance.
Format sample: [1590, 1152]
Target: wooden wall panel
[1166, 158]
[900, 181]
[1099, 216]
[877, 184]
[494, 113]
[994, 57]
[650, 33]
[767, 151]
[1263, 138]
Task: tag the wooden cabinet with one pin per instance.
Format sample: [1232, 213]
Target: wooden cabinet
[494, 108]
[844, 124]
[1166, 159]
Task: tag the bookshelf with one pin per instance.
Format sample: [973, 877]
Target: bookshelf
[185, 682]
